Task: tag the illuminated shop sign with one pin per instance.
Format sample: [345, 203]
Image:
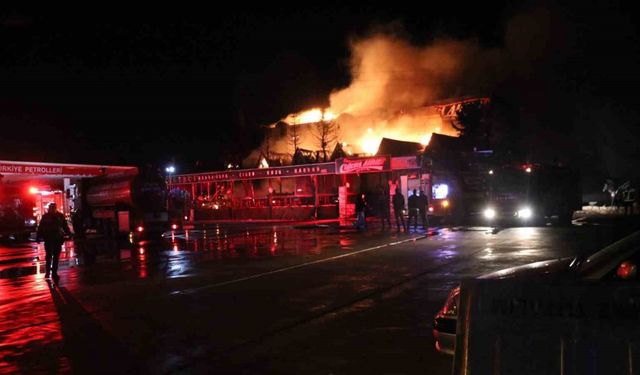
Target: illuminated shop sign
[48, 169]
[363, 165]
[440, 191]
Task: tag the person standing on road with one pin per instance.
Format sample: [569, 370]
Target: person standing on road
[361, 205]
[52, 229]
[382, 206]
[398, 208]
[423, 206]
[413, 210]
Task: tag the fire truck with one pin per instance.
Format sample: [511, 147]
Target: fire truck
[17, 221]
[531, 194]
[476, 187]
[457, 181]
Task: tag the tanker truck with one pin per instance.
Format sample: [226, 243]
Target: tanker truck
[133, 205]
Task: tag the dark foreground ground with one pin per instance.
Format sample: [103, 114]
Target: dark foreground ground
[257, 299]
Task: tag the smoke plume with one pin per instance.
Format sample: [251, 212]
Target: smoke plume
[395, 84]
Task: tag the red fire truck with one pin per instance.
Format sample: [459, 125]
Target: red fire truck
[530, 194]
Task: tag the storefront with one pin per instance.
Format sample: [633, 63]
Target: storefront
[300, 192]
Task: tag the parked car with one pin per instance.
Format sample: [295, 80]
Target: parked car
[616, 262]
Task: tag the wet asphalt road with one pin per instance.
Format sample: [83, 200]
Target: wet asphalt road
[254, 299]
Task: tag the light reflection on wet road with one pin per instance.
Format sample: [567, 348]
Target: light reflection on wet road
[175, 255]
[263, 242]
[30, 329]
[118, 298]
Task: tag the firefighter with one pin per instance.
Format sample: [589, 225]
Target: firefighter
[398, 208]
[413, 209]
[361, 206]
[423, 206]
[382, 207]
[52, 229]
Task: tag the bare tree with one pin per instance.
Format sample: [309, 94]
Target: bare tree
[327, 133]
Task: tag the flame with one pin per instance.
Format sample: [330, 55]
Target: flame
[370, 142]
[425, 139]
[310, 116]
[362, 134]
[395, 85]
[264, 163]
[370, 145]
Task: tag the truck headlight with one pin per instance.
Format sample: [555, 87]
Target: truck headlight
[525, 213]
[489, 213]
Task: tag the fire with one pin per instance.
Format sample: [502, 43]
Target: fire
[369, 142]
[362, 134]
[425, 139]
[396, 92]
[370, 145]
[264, 163]
[310, 116]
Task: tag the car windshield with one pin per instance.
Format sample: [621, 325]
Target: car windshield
[509, 180]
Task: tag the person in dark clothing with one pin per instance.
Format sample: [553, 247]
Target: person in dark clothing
[382, 207]
[398, 208]
[52, 229]
[361, 205]
[413, 209]
[423, 206]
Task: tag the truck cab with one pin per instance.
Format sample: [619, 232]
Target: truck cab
[531, 194]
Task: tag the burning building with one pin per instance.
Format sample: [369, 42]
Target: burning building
[325, 183]
[396, 92]
[318, 132]
[312, 163]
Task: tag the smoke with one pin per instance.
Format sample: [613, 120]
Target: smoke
[394, 86]
[559, 67]
[395, 83]
[389, 75]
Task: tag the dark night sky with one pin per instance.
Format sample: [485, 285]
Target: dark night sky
[133, 85]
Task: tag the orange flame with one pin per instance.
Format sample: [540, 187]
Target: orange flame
[362, 134]
[310, 116]
[393, 84]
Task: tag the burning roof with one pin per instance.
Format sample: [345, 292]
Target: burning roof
[394, 147]
[395, 93]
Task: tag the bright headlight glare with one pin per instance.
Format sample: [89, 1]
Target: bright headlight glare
[525, 213]
[489, 213]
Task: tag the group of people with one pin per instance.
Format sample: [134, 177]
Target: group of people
[418, 204]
